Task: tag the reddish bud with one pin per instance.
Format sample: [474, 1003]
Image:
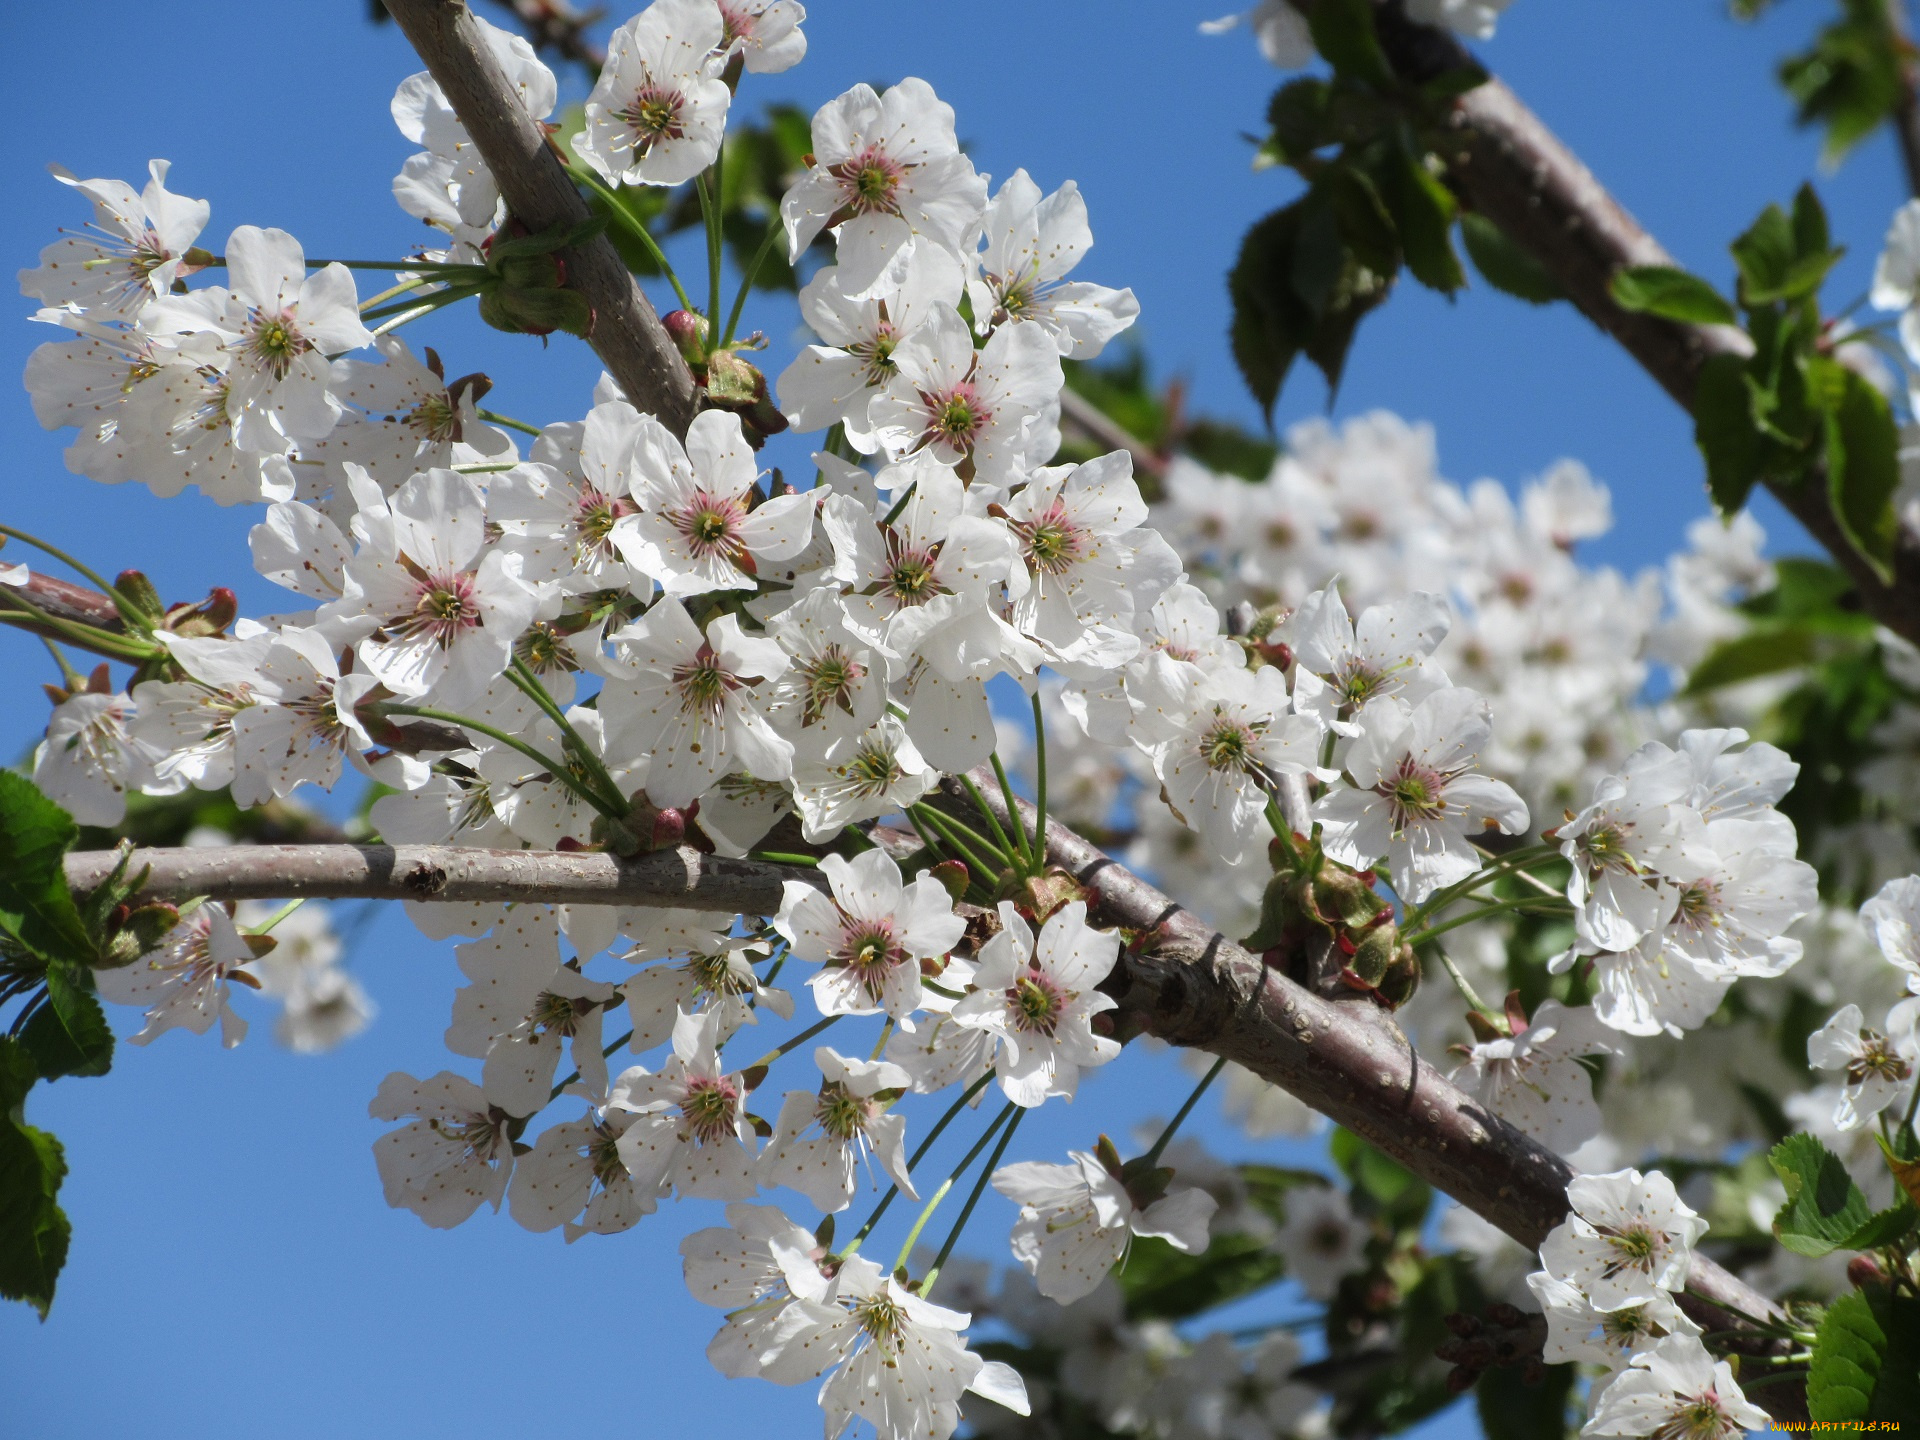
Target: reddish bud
[669, 829]
[1864, 1272]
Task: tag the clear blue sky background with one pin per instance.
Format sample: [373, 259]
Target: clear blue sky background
[234, 1270]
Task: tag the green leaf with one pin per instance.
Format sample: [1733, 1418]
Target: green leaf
[1162, 1283]
[1299, 288]
[1849, 81]
[33, 1229]
[1396, 1191]
[1343, 33]
[1866, 1359]
[1765, 651]
[1723, 428]
[36, 907]
[1671, 294]
[1811, 235]
[1816, 593]
[1297, 117]
[1504, 265]
[1511, 1409]
[1423, 211]
[1824, 1209]
[1885, 1227]
[1366, 226]
[1269, 322]
[1766, 255]
[67, 1033]
[1863, 469]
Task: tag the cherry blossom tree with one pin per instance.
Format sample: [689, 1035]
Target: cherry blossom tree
[1581, 899]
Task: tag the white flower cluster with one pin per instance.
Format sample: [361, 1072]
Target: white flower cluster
[1609, 1277]
[1685, 879]
[628, 638]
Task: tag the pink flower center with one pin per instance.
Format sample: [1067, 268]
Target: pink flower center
[274, 342]
[910, 578]
[594, 516]
[870, 182]
[1416, 794]
[954, 418]
[869, 952]
[1229, 744]
[877, 353]
[444, 608]
[710, 1108]
[1037, 1003]
[1054, 542]
[710, 524]
[1700, 906]
[655, 114]
[704, 684]
[828, 682]
[736, 24]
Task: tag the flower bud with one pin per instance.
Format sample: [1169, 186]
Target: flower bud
[688, 331]
[1864, 1272]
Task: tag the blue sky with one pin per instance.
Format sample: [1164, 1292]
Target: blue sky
[234, 1270]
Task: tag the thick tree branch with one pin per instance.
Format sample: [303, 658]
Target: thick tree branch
[1180, 980]
[681, 877]
[1511, 168]
[626, 333]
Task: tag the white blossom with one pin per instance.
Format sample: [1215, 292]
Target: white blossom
[1320, 1238]
[1534, 1079]
[690, 1131]
[1628, 1239]
[1877, 1066]
[451, 1159]
[277, 328]
[1077, 1220]
[899, 1362]
[658, 111]
[186, 982]
[133, 251]
[851, 1117]
[871, 936]
[1416, 798]
[1036, 997]
[1020, 277]
[1676, 1388]
[886, 169]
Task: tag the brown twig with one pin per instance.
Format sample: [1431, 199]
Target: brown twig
[80, 604]
[627, 333]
